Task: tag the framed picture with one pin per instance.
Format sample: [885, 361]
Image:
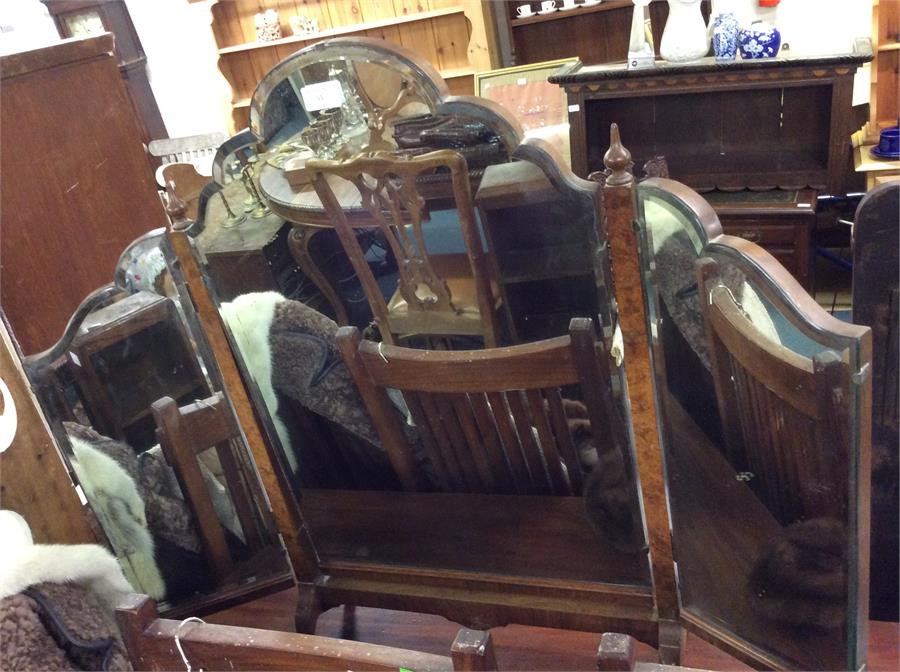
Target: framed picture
[538, 105]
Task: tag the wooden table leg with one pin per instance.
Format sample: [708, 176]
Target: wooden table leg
[298, 242]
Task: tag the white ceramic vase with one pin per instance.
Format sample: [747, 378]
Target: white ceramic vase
[686, 37]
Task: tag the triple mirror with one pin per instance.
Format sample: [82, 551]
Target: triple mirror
[760, 395]
[476, 545]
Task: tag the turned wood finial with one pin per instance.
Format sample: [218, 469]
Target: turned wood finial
[176, 209]
[618, 160]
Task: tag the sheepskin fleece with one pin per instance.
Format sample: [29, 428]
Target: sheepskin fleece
[310, 368]
[58, 627]
[89, 565]
[167, 515]
[114, 497]
[25, 643]
[249, 318]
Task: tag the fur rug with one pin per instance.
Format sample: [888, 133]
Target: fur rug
[289, 349]
[86, 564]
[800, 580]
[249, 318]
[114, 497]
[57, 603]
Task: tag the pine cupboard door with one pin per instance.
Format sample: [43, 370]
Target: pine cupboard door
[764, 412]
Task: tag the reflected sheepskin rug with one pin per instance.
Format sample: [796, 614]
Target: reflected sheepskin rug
[249, 319]
[289, 348]
[114, 497]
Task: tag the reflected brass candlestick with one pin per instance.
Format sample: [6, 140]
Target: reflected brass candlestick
[254, 204]
[232, 220]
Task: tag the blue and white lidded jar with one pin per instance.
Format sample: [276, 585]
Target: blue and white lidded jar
[725, 36]
[760, 40]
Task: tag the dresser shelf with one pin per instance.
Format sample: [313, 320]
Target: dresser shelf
[570, 13]
[450, 34]
[343, 30]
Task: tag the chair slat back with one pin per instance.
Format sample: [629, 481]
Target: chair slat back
[393, 205]
[876, 271]
[185, 432]
[151, 645]
[492, 421]
[785, 417]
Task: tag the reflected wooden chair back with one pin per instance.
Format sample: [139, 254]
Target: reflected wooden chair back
[876, 267]
[185, 432]
[491, 421]
[437, 295]
[152, 645]
[786, 417]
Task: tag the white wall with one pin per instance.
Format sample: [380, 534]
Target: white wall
[24, 25]
[194, 97]
[809, 26]
[813, 27]
[192, 94]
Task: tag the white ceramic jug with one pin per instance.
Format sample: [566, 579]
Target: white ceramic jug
[685, 37]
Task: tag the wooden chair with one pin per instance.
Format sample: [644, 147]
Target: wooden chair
[491, 421]
[151, 644]
[876, 304]
[185, 432]
[445, 295]
[786, 417]
[876, 249]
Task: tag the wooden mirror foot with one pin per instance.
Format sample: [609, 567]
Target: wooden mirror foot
[348, 622]
[671, 642]
[309, 608]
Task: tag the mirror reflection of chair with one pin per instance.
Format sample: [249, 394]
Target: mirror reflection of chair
[785, 416]
[876, 304]
[438, 295]
[185, 432]
[491, 421]
[771, 554]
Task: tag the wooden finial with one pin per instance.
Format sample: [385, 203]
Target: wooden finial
[618, 160]
[176, 208]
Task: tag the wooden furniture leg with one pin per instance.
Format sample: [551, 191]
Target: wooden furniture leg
[473, 651]
[671, 642]
[298, 242]
[309, 608]
[348, 622]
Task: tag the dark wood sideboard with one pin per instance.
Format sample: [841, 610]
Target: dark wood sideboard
[745, 126]
[781, 122]
[780, 221]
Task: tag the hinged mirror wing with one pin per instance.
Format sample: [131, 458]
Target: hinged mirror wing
[764, 411]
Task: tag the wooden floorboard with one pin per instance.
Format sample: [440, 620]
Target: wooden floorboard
[517, 647]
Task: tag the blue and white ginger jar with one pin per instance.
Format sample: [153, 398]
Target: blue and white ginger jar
[760, 40]
[725, 36]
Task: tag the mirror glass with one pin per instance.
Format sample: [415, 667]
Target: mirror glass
[284, 284]
[332, 102]
[759, 418]
[180, 507]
